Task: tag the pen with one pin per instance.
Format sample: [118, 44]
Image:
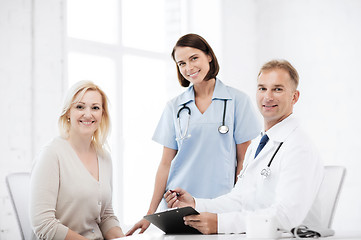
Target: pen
[177, 193]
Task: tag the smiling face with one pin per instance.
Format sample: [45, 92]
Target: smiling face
[276, 95]
[192, 63]
[86, 115]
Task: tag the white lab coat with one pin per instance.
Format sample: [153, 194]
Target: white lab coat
[288, 193]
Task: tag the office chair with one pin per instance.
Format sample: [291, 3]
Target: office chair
[18, 185]
[329, 193]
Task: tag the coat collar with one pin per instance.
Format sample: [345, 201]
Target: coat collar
[277, 134]
[280, 131]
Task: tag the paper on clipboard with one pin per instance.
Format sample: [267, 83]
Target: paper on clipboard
[171, 221]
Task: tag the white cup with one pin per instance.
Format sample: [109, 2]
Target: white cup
[260, 226]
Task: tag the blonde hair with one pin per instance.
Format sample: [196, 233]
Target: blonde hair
[281, 64]
[73, 96]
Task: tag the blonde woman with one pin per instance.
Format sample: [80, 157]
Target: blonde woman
[71, 181]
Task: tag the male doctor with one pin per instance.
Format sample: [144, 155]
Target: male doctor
[284, 186]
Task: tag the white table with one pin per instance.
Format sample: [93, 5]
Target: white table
[159, 235]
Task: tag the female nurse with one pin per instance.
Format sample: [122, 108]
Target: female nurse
[205, 131]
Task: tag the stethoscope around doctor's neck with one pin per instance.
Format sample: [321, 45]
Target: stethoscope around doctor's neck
[265, 172]
[223, 129]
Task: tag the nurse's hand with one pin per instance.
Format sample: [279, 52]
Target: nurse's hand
[205, 222]
[142, 224]
[179, 198]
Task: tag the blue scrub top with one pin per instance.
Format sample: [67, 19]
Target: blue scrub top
[205, 163]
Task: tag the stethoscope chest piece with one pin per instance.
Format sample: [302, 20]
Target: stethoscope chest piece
[223, 129]
[266, 172]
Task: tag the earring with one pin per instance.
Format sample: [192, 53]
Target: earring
[68, 119]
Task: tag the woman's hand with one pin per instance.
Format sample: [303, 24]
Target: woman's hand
[142, 224]
[179, 198]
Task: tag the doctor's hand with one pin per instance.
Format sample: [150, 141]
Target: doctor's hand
[205, 222]
[179, 198]
[142, 224]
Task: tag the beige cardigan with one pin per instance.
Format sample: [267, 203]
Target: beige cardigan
[65, 195]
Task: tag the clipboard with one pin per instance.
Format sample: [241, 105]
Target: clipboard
[171, 221]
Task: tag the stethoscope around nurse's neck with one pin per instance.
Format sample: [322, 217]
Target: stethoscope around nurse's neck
[223, 129]
[183, 136]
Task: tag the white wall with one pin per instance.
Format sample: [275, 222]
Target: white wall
[322, 39]
[15, 77]
[31, 80]
[239, 37]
